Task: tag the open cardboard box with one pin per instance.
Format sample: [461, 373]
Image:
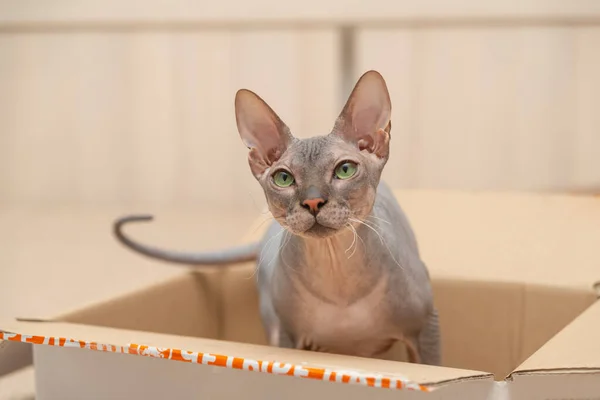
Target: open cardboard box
[513, 279]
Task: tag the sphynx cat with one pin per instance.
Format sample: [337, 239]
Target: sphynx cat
[339, 269]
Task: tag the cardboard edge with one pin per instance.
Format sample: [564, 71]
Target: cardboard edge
[575, 361]
[445, 382]
[556, 383]
[554, 371]
[394, 381]
[226, 361]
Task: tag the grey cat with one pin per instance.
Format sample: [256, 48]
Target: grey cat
[339, 269]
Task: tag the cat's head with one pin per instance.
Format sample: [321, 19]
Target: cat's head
[315, 187]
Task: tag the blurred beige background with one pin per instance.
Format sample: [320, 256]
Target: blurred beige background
[107, 104]
[109, 107]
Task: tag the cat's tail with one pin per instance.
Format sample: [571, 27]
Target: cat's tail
[233, 255]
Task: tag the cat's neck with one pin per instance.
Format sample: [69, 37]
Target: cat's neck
[336, 249]
[337, 267]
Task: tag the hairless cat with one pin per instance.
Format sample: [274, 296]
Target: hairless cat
[339, 269]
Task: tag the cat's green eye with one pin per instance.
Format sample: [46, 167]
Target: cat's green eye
[283, 179]
[345, 170]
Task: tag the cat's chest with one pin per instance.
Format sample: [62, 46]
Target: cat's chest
[340, 327]
[331, 319]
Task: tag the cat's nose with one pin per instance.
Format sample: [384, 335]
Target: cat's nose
[314, 205]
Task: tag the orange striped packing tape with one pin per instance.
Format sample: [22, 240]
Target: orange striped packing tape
[269, 367]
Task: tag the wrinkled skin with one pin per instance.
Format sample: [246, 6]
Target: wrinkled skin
[344, 277]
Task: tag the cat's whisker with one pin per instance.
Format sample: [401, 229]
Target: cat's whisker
[369, 223]
[353, 236]
[380, 237]
[255, 204]
[360, 238]
[380, 219]
[269, 242]
[286, 238]
[288, 265]
[368, 226]
[262, 223]
[353, 241]
[260, 260]
[289, 238]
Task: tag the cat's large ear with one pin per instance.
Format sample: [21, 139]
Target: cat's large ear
[261, 130]
[366, 117]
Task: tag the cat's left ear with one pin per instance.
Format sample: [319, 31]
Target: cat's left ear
[366, 117]
[261, 130]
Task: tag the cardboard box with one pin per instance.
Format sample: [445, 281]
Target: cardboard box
[513, 279]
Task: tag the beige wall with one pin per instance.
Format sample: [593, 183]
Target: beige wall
[147, 117]
[491, 107]
[123, 106]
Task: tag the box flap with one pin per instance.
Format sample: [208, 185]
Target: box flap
[575, 349]
[313, 365]
[568, 366]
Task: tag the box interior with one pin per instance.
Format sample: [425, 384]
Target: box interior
[486, 326]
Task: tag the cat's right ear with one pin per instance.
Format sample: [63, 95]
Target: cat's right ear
[261, 130]
[366, 118]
